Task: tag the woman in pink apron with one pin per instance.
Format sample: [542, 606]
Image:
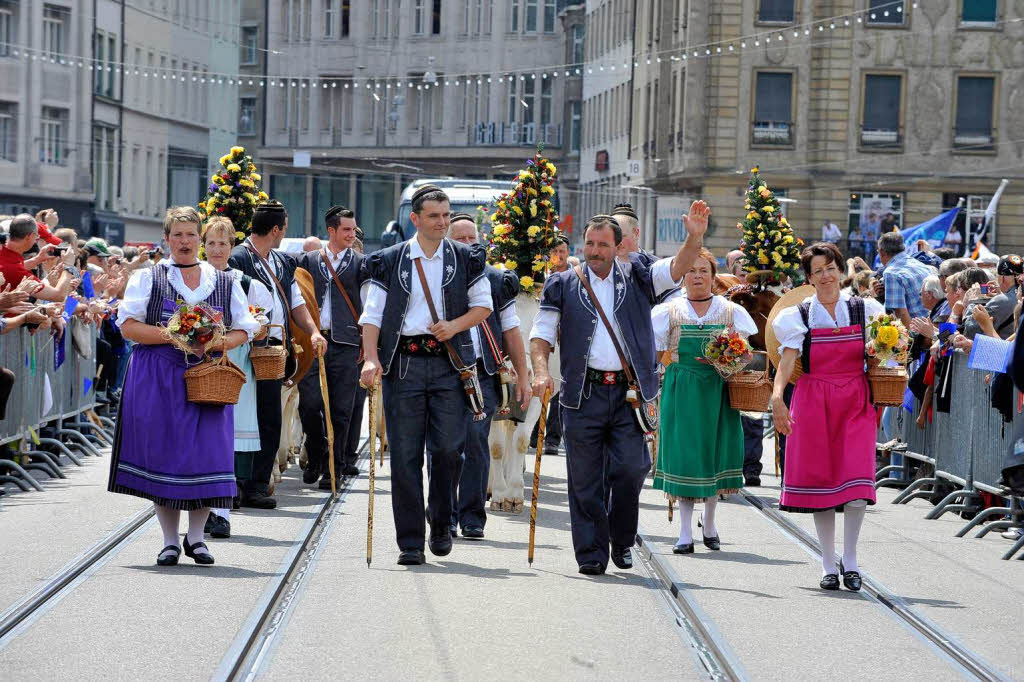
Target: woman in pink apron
[831, 426]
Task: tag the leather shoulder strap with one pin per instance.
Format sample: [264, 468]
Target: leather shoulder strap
[270, 272]
[607, 325]
[337, 283]
[433, 311]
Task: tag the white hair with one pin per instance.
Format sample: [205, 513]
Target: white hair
[931, 285]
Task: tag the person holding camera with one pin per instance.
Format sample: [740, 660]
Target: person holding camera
[22, 235]
[999, 306]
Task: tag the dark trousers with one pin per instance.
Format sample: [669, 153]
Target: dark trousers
[268, 407]
[553, 436]
[474, 466]
[356, 423]
[607, 460]
[342, 380]
[425, 408]
[753, 445]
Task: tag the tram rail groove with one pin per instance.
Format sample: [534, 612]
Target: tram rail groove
[972, 664]
[61, 582]
[251, 649]
[720, 662]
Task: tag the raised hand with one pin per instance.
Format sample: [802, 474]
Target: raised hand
[696, 221]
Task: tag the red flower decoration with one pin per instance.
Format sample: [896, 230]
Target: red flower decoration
[414, 347]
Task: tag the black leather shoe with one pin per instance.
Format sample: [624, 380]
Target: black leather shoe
[411, 557]
[208, 528]
[350, 470]
[473, 532]
[325, 483]
[711, 543]
[622, 557]
[830, 582]
[591, 568]
[258, 500]
[168, 556]
[851, 579]
[683, 549]
[310, 475]
[221, 527]
[752, 482]
[441, 545]
[204, 558]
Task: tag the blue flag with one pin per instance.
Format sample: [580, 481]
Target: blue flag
[58, 351]
[933, 230]
[70, 303]
[87, 287]
[86, 385]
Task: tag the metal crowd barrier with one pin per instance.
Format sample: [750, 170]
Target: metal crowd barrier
[966, 446]
[51, 412]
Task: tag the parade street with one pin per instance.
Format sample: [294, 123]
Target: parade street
[291, 596]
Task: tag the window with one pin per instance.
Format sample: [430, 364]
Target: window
[513, 20]
[53, 142]
[776, 11]
[773, 108]
[549, 16]
[437, 105]
[346, 17]
[297, 105]
[104, 161]
[531, 16]
[99, 45]
[545, 101]
[8, 131]
[295, 19]
[866, 213]
[529, 90]
[330, 17]
[513, 99]
[413, 108]
[974, 112]
[978, 12]
[880, 116]
[575, 125]
[578, 31]
[419, 17]
[435, 18]
[112, 58]
[479, 17]
[8, 25]
[53, 31]
[247, 116]
[467, 15]
[886, 12]
[331, 191]
[250, 44]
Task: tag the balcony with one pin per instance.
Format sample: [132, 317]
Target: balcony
[881, 138]
[772, 133]
[497, 134]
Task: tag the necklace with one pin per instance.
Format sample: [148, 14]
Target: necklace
[700, 300]
[190, 265]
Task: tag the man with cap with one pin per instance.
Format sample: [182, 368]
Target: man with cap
[337, 279]
[21, 237]
[628, 220]
[424, 399]
[256, 257]
[606, 454]
[502, 329]
[1000, 307]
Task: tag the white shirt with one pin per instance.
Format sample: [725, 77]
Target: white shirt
[259, 295]
[830, 232]
[276, 313]
[417, 317]
[661, 318]
[790, 330]
[332, 288]
[135, 302]
[509, 321]
[602, 352]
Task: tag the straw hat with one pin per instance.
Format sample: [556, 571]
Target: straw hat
[304, 360]
[791, 298]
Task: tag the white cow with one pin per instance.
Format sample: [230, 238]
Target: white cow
[290, 449]
[509, 442]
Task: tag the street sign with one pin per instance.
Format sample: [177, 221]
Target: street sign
[635, 168]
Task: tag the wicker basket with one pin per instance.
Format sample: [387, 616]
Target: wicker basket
[750, 390]
[888, 385]
[214, 382]
[268, 361]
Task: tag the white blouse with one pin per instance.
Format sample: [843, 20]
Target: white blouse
[661, 318]
[790, 330]
[258, 293]
[135, 302]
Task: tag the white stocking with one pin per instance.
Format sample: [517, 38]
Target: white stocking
[825, 525]
[168, 519]
[223, 513]
[685, 522]
[853, 519]
[196, 522]
[710, 506]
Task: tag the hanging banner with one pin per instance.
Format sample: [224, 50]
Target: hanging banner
[670, 231]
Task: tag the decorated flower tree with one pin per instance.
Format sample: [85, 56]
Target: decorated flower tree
[234, 191]
[771, 249]
[523, 225]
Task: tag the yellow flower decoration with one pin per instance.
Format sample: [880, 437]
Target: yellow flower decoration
[888, 335]
[501, 229]
[256, 177]
[538, 266]
[767, 209]
[224, 159]
[783, 221]
[226, 189]
[754, 169]
[501, 204]
[263, 196]
[762, 258]
[239, 235]
[517, 210]
[551, 168]
[787, 239]
[500, 266]
[760, 235]
[526, 281]
[510, 264]
[234, 168]
[764, 192]
[752, 215]
[533, 230]
[533, 209]
[216, 179]
[237, 150]
[548, 189]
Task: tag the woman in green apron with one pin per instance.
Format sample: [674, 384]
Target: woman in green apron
[700, 453]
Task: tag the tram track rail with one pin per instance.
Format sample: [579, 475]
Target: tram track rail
[968, 662]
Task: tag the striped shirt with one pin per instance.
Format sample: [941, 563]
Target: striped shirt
[903, 277]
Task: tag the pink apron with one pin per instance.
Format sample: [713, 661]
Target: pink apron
[830, 455]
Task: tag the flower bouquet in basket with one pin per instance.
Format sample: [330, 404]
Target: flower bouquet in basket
[729, 353]
[196, 330]
[887, 341]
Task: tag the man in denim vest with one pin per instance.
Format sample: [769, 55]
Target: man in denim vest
[424, 400]
[606, 455]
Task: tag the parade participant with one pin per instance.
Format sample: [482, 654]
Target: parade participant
[606, 454]
[337, 281]
[701, 453]
[559, 262]
[257, 258]
[359, 404]
[630, 224]
[424, 398]
[218, 239]
[470, 490]
[830, 448]
[174, 452]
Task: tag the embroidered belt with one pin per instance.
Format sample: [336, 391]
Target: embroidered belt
[606, 377]
[424, 345]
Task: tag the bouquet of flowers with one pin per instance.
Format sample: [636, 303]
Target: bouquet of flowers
[260, 313]
[194, 329]
[727, 352]
[234, 192]
[888, 339]
[771, 250]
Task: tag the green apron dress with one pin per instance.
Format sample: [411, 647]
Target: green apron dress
[700, 447]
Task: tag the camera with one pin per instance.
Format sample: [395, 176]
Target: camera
[986, 289]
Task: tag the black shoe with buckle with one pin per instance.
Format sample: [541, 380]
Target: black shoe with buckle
[622, 557]
[851, 579]
[168, 556]
[830, 582]
[714, 543]
[204, 558]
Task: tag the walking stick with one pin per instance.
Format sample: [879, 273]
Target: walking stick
[670, 510]
[330, 427]
[541, 428]
[374, 427]
[372, 393]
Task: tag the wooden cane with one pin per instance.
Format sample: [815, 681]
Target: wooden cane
[374, 427]
[654, 443]
[330, 427]
[372, 394]
[541, 428]
[670, 510]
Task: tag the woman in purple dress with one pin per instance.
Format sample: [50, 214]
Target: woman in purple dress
[178, 454]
